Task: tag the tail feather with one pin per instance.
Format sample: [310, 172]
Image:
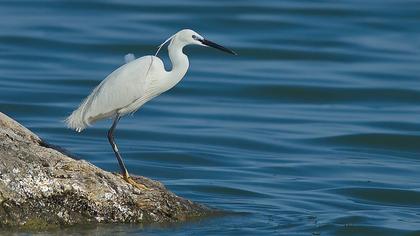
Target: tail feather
[76, 122]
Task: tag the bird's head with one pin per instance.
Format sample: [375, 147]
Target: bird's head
[187, 36]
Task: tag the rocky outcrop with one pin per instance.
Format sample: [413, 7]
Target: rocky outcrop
[41, 187]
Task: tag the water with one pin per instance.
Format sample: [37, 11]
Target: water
[312, 130]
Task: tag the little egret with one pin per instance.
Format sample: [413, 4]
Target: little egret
[133, 84]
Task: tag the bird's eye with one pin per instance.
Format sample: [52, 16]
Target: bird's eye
[194, 36]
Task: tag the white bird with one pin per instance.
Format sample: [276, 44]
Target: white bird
[133, 84]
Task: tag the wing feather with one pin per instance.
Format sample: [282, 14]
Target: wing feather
[123, 91]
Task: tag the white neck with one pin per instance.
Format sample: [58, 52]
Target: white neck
[179, 61]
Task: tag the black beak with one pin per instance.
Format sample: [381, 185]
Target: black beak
[217, 46]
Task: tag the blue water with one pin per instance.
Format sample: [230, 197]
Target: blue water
[313, 129]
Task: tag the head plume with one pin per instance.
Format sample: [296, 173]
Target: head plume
[160, 46]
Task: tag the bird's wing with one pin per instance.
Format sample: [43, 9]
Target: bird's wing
[129, 83]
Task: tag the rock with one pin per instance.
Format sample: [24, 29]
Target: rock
[41, 187]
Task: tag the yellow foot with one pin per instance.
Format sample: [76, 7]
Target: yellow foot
[129, 180]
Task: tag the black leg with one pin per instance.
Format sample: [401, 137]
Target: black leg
[111, 140]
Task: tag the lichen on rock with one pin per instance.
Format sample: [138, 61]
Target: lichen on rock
[41, 187]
